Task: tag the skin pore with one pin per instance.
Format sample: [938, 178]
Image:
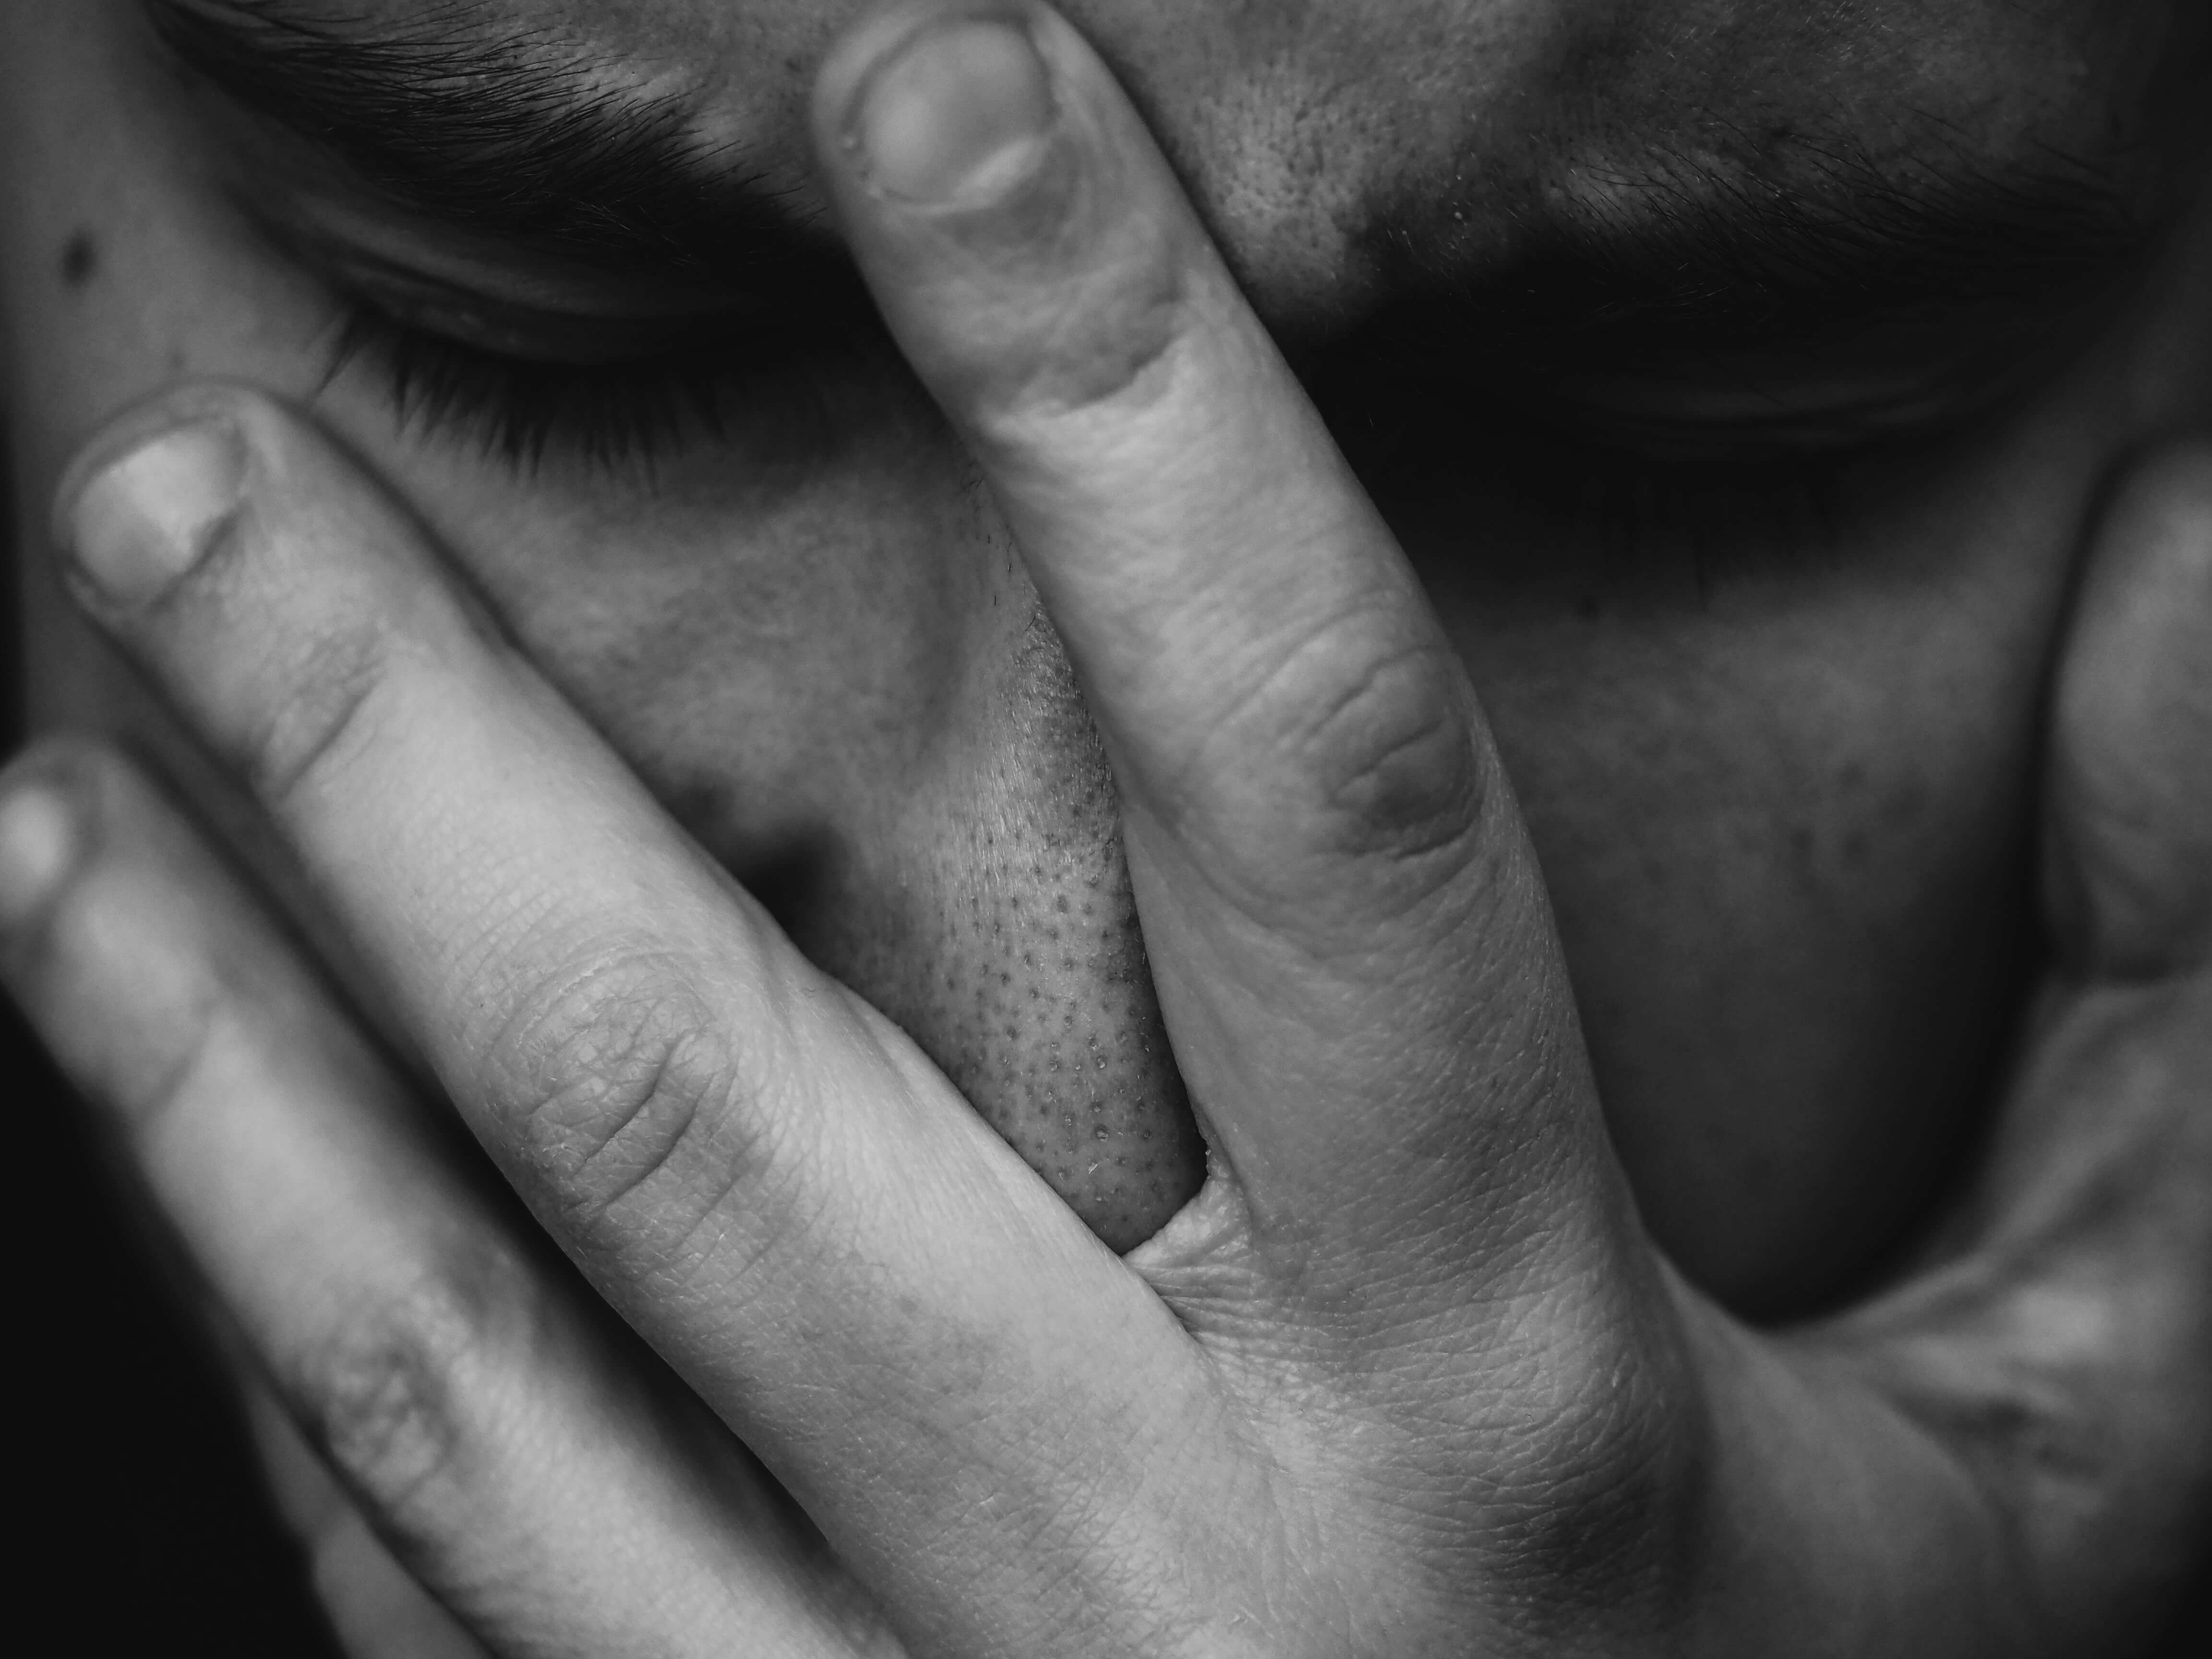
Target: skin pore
[1798, 438]
[1775, 744]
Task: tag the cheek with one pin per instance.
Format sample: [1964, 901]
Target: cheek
[1784, 808]
[778, 656]
[783, 628]
[122, 270]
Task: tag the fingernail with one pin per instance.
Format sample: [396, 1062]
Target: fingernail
[143, 521]
[957, 117]
[38, 844]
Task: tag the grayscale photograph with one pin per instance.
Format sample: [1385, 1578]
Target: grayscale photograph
[1109, 829]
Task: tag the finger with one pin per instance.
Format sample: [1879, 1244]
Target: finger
[2058, 1349]
[2095, 1201]
[764, 1176]
[2131, 839]
[1355, 952]
[515, 1466]
[376, 1608]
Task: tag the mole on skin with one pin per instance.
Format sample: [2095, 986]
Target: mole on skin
[80, 259]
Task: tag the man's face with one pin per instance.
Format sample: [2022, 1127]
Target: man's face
[1737, 375]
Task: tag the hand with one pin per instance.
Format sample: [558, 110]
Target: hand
[1405, 1378]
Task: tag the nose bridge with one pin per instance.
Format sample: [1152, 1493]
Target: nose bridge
[995, 924]
[1298, 125]
[1250, 102]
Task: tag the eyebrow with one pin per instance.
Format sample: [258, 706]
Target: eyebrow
[1714, 265]
[455, 114]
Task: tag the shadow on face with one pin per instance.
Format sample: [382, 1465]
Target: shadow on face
[1737, 376]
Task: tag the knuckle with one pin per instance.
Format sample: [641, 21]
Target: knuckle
[1392, 758]
[164, 1080]
[1057, 350]
[620, 1085]
[85, 764]
[318, 711]
[1603, 1503]
[1371, 746]
[396, 1395]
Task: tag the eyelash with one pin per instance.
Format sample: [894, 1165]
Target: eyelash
[1628, 502]
[519, 411]
[1602, 492]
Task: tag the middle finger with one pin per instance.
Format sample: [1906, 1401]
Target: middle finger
[1354, 947]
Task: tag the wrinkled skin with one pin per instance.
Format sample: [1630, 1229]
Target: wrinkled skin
[1779, 774]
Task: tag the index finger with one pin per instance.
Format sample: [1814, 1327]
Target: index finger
[1354, 949]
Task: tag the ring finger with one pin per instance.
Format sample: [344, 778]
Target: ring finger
[431, 1361]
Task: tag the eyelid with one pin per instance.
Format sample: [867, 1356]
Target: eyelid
[520, 410]
[1776, 415]
[532, 333]
[522, 359]
[341, 223]
[530, 312]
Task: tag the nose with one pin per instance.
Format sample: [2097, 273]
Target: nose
[993, 919]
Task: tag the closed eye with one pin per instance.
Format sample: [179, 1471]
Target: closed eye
[1628, 468]
[615, 411]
